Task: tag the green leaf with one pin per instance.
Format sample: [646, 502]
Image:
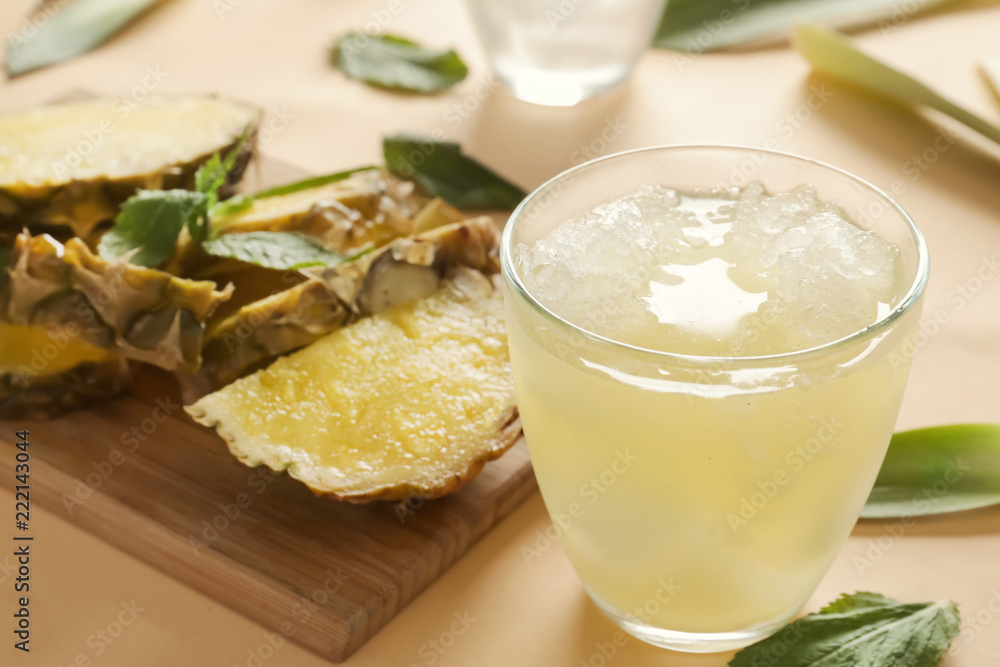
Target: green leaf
[397, 63]
[151, 220]
[58, 31]
[273, 250]
[834, 55]
[860, 630]
[212, 175]
[314, 182]
[859, 600]
[5, 252]
[991, 69]
[208, 180]
[444, 171]
[937, 470]
[231, 206]
[694, 26]
[358, 255]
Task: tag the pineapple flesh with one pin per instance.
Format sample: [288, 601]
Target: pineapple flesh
[404, 270]
[45, 372]
[412, 401]
[66, 168]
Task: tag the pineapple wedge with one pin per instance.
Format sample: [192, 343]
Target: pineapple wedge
[409, 402]
[145, 314]
[66, 168]
[405, 270]
[366, 209]
[44, 373]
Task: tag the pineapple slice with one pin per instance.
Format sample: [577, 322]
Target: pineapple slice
[405, 270]
[43, 372]
[366, 209]
[148, 315]
[66, 168]
[409, 402]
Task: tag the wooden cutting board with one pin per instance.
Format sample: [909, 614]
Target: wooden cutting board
[138, 473]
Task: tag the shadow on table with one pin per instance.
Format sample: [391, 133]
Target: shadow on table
[930, 149]
[533, 143]
[984, 521]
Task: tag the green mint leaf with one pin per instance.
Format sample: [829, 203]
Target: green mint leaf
[444, 171]
[151, 220]
[313, 182]
[860, 630]
[937, 470]
[859, 600]
[210, 176]
[273, 250]
[388, 61]
[208, 180]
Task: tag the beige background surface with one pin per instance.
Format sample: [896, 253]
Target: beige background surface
[274, 54]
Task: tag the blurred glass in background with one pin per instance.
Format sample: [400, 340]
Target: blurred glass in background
[561, 52]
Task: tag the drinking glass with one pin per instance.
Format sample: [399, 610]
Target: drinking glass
[702, 499]
[560, 52]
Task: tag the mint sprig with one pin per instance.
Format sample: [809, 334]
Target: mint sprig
[273, 250]
[863, 629]
[150, 222]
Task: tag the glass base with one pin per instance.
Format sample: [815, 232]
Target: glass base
[692, 642]
[564, 88]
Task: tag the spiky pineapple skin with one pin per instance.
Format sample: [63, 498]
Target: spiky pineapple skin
[146, 314]
[45, 396]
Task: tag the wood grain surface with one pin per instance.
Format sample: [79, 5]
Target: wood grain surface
[139, 474]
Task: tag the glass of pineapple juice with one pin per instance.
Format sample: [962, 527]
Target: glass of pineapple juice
[703, 488]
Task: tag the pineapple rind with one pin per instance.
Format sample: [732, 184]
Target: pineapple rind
[145, 314]
[44, 374]
[367, 209]
[48, 396]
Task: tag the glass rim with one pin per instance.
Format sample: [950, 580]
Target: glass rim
[909, 300]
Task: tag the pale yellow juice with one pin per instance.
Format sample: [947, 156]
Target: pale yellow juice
[707, 495]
